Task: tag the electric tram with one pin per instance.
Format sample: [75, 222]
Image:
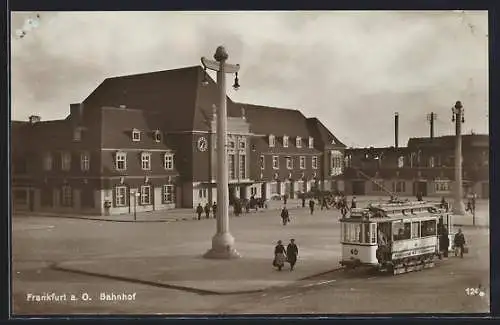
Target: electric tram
[395, 236]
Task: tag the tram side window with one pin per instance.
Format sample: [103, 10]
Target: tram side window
[402, 231]
[428, 228]
[373, 233]
[415, 229]
[352, 232]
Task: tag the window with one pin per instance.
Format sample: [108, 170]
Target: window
[276, 162]
[289, 163]
[77, 134]
[285, 141]
[401, 161]
[352, 232]
[415, 229]
[157, 136]
[146, 161]
[377, 186]
[67, 196]
[428, 228]
[298, 142]
[336, 162]
[232, 145]
[168, 193]
[243, 167]
[136, 135]
[311, 142]
[273, 188]
[347, 160]
[65, 161]
[253, 191]
[168, 161]
[121, 161]
[85, 161]
[231, 166]
[302, 162]
[242, 144]
[120, 196]
[373, 233]
[47, 161]
[401, 231]
[442, 186]
[145, 194]
[202, 193]
[314, 161]
[272, 141]
[399, 186]
[262, 161]
[431, 162]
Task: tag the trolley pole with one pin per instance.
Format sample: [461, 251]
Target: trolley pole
[458, 118]
[222, 241]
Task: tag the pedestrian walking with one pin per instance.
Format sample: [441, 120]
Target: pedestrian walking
[444, 240]
[459, 243]
[285, 197]
[285, 216]
[292, 252]
[279, 255]
[303, 200]
[311, 206]
[199, 210]
[207, 211]
[214, 209]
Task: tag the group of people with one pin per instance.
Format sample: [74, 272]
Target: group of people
[200, 209]
[282, 255]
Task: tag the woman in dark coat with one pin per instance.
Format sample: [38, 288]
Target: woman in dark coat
[279, 255]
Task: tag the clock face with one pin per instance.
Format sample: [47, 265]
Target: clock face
[202, 144]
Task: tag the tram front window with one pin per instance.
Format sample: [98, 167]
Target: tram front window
[359, 233]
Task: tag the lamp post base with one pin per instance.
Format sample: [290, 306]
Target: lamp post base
[458, 208]
[222, 247]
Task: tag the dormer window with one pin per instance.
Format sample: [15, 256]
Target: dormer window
[272, 140]
[136, 135]
[285, 141]
[298, 142]
[77, 134]
[156, 136]
[311, 142]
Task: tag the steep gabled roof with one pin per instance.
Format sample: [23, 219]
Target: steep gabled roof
[320, 132]
[117, 126]
[272, 120]
[171, 92]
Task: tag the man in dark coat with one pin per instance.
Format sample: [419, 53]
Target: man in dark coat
[199, 210]
[292, 251]
[459, 242]
[444, 241]
[214, 210]
[311, 206]
[353, 203]
[285, 216]
[303, 197]
[207, 210]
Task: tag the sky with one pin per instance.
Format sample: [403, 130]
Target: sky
[352, 70]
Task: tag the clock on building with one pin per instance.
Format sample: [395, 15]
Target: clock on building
[202, 144]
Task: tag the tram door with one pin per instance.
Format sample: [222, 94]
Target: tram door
[447, 221]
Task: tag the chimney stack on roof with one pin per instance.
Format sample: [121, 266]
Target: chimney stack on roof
[76, 112]
[396, 129]
[34, 119]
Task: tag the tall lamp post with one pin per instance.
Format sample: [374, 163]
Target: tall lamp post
[222, 241]
[458, 118]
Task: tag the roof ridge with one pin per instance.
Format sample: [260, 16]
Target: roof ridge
[154, 72]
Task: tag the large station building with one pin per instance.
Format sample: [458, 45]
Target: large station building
[147, 141]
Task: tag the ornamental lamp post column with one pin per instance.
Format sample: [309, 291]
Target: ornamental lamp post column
[222, 241]
[458, 118]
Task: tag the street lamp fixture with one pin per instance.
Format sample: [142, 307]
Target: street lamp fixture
[236, 85]
[222, 241]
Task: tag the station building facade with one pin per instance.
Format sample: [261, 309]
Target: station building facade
[425, 165]
[147, 142]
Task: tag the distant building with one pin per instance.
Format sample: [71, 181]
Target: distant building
[426, 165]
[148, 140]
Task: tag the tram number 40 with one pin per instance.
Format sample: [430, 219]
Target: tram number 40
[474, 292]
